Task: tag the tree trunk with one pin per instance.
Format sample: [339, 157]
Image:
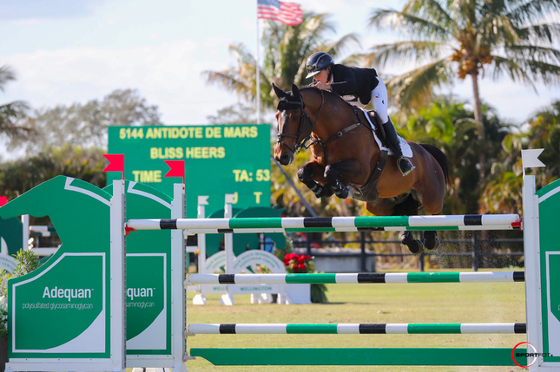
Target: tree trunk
[478, 119]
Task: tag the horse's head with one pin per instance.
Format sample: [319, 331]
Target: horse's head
[294, 125]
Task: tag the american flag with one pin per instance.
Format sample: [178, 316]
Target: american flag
[288, 13]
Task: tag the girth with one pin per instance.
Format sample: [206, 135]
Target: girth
[369, 192]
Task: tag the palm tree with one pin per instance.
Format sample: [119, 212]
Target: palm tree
[447, 124]
[286, 51]
[503, 192]
[544, 133]
[456, 39]
[11, 113]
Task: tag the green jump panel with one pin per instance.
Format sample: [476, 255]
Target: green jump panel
[360, 356]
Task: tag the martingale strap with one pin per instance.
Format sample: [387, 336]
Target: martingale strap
[337, 135]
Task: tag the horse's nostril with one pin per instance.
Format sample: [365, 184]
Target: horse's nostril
[285, 159]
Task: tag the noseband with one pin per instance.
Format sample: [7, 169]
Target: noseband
[303, 117]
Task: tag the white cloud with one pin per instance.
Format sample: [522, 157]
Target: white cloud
[334, 6]
[168, 75]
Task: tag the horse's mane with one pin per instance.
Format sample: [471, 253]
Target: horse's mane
[328, 92]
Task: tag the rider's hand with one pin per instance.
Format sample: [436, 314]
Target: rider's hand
[322, 86]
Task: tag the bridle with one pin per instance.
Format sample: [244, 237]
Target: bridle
[303, 144]
[304, 118]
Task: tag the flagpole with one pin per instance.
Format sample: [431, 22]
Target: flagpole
[258, 71]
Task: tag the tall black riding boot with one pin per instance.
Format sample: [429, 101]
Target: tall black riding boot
[404, 164]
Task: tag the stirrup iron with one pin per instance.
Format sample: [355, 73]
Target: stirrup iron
[411, 166]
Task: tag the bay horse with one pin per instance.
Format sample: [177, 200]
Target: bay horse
[345, 159]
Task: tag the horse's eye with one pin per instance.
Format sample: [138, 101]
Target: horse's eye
[294, 117]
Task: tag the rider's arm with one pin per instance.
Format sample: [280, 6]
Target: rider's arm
[346, 82]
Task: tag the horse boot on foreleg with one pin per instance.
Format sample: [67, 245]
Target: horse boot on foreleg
[305, 175]
[332, 173]
[431, 240]
[338, 188]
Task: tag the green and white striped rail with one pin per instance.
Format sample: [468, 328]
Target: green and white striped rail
[41, 230]
[396, 328]
[360, 278]
[295, 224]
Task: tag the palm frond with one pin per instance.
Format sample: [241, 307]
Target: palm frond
[495, 28]
[464, 12]
[231, 81]
[404, 52]
[413, 25]
[414, 88]
[10, 117]
[6, 75]
[548, 73]
[511, 67]
[344, 43]
[239, 51]
[546, 33]
[431, 10]
[529, 11]
[535, 52]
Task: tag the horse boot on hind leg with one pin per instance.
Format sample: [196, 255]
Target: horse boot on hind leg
[305, 176]
[414, 245]
[431, 240]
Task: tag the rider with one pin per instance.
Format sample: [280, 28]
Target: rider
[363, 84]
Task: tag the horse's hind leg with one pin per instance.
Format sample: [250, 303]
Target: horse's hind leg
[414, 245]
[409, 207]
[308, 174]
[431, 240]
[432, 194]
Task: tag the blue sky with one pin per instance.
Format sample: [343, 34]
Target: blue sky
[73, 51]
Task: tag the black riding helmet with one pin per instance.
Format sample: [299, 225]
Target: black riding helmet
[317, 62]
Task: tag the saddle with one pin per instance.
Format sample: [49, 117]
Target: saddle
[377, 126]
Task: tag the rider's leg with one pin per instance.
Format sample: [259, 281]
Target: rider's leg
[379, 102]
[403, 162]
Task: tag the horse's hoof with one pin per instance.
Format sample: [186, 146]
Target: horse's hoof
[415, 246]
[321, 191]
[431, 243]
[318, 191]
[324, 192]
[342, 193]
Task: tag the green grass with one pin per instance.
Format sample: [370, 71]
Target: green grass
[369, 303]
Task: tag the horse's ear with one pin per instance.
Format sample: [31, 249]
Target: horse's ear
[295, 90]
[279, 92]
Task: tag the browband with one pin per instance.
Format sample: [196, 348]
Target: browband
[284, 104]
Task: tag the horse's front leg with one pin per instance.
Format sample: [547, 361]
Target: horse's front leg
[309, 174]
[342, 172]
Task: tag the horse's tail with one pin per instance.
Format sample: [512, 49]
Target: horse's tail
[441, 159]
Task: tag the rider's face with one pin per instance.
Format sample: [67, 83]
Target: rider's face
[322, 76]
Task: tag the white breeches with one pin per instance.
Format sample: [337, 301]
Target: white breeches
[379, 101]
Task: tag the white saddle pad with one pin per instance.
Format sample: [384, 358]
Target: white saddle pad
[405, 147]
